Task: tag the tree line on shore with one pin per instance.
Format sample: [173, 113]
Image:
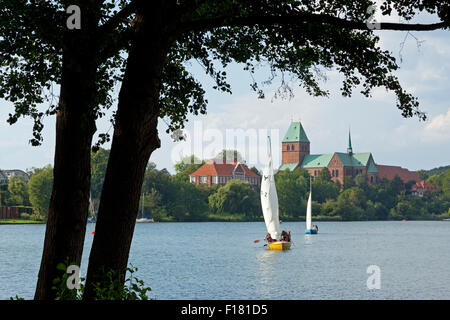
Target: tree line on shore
[168, 197]
[173, 198]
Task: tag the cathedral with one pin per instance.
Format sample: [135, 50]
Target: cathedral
[296, 154]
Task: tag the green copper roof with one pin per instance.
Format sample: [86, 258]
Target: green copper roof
[372, 168]
[354, 160]
[362, 158]
[290, 166]
[316, 161]
[295, 133]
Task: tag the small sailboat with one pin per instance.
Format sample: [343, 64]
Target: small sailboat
[269, 204]
[143, 218]
[309, 228]
[92, 218]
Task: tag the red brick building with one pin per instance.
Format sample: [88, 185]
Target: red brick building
[296, 154]
[217, 172]
[389, 172]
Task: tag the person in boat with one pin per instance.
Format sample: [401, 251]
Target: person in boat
[315, 227]
[286, 236]
[268, 238]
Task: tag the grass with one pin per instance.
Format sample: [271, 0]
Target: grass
[19, 221]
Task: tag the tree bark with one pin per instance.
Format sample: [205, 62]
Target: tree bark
[135, 138]
[75, 126]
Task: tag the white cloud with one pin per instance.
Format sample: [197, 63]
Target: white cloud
[438, 130]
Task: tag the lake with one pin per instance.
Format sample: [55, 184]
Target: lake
[219, 260]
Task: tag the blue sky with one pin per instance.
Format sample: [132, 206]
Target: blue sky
[376, 124]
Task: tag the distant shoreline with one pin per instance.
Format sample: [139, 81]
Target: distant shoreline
[3, 222]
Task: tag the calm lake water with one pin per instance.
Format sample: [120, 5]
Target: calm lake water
[221, 261]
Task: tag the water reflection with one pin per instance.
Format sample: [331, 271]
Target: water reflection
[308, 239]
[269, 266]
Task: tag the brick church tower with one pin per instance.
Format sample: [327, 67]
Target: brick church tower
[295, 144]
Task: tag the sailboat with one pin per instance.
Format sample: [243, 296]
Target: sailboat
[269, 204]
[92, 218]
[143, 218]
[309, 228]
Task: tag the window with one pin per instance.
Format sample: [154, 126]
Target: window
[193, 179]
[288, 148]
[202, 179]
[214, 179]
[293, 147]
[371, 179]
[332, 173]
[337, 173]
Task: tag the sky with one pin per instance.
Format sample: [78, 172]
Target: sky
[376, 124]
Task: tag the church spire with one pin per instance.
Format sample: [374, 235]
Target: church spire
[349, 148]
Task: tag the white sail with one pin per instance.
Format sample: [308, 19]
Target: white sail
[308, 213]
[269, 199]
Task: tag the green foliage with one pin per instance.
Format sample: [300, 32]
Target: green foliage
[349, 182]
[153, 206]
[306, 38]
[324, 175]
[292, 187]
[423, 174]
[112, 286]
[25, 216]
[234, 198]
[442, 181]
[18, 194]
[40, 190]
[183, 176]
[99, 162]
[434, 171]
[60, 285]
[185, 162]
[324, 189]
[229, 156]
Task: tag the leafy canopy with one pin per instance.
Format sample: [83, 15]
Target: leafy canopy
[299, 40]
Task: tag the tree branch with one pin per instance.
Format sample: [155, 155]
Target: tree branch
[118, 18]
[301, 18]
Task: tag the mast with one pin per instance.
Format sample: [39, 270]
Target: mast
[308, 208]
[142, 209]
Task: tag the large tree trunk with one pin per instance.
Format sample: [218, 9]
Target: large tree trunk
[135, 138]
[75, 126]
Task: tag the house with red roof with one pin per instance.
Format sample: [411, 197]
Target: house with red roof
[421, 188]
[219, 172]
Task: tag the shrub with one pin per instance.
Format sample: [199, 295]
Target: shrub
[25, 216]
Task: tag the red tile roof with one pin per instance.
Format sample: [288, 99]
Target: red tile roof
[423, 185]
[213, 168]
[389, 172]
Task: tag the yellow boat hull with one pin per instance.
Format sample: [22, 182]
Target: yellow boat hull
[279, 245]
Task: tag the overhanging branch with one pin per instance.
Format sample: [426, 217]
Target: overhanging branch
[302, 18]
